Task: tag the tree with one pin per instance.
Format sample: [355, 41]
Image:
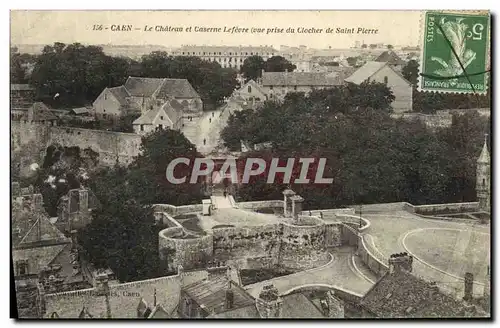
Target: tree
[252, 67]
[352, 61]
[390, 46]
[373, 46]
[411, 71]
[278, 64]
[17, 73]
[76, 72]
[364, 46]
[125, 239]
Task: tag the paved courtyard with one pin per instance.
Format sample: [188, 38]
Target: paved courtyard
[444, 250]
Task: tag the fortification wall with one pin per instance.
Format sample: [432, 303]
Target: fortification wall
[261, 204]
[376, 265]
[446, 208]
[303, 243]
[111, 146]
[255, 241]
[176, 247]
[178, 210]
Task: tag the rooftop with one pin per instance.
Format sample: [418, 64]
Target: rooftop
[300, 79]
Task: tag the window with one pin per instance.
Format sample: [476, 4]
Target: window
[271, 87]
[386, 79]
[183, 52]
[104, 115]
[230, 66]
[203, 53]
[251, 54]
[484, 182]
[246, 53]
[105, 96]
[142, 127]
[160, 126]
[22, 267]
[230, 53]
[249, 89]
[161, 117]
[220, 53]
[188, 53]
[257, 53]
[295, 87]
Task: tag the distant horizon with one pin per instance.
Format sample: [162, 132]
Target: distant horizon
[392, 27]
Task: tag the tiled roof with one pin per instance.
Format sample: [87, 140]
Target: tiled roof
[81, 110]
[121, 94]
[246, 312]
[401, 294]
[211, 293]
[298, 306]
[366, 71]
[298, 78]
[41, 113]
[159, 313]
[390, 57]
[484, 157]
[177, 88]
[149, 116]
[142, 86]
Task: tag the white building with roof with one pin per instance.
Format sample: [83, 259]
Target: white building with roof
[382, 72]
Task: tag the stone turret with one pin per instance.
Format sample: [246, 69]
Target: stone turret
[483, 178]
[287, 206]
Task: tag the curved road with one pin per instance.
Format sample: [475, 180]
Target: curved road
[338, 273]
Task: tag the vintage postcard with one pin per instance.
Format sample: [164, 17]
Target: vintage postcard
[250, 164]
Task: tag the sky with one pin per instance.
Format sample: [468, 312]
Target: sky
[47, 27]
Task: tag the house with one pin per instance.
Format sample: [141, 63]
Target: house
[278, 84]
[153, 120]
[40, 113]
[114, 102]
[219, 297]
[140, 94]
[391, 58]
[251, 91]
[400, 294]
[384, 73]
[42, 255]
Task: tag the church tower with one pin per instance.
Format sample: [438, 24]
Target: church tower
[483, 178]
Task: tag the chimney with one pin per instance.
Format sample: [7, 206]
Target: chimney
[296, 206]
[287, 206]
[84, 200]
[74, 240]
[37, 203]
[400, 262]
[334, 305]
[487, 288]
[269, 304]
[229, 298]
[468, 284]
[217, 270]
[433, 289]
[102, 284]
[16, 189]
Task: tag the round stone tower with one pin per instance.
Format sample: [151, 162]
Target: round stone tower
[483, 178]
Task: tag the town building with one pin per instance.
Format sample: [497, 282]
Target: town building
[139, 95]
[392, 59]
[250, 91]
[400, 294]
[157, 118]
[382, 72]
[278, 84]
[21, 96]
[226, 56]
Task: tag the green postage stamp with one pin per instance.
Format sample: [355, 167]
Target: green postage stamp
[455, 52]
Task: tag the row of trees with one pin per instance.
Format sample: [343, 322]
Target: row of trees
[371, 157]
[253, 66]
[74, 75]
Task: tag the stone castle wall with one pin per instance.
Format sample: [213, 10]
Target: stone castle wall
[32, 139]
